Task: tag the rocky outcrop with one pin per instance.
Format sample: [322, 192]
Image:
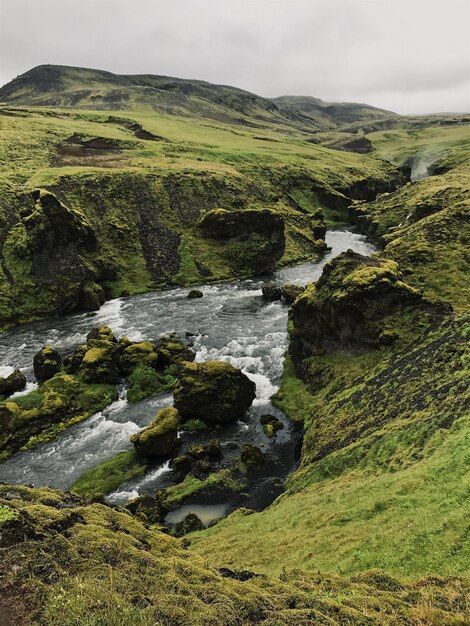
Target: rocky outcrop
[213, 391]
[46, 363]
[135, 354]
[254, 238]
[271, 424]
[351, 308]
[160, 439]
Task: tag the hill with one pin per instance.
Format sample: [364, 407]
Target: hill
[61, 86]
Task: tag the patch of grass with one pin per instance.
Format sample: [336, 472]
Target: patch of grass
[108, 475]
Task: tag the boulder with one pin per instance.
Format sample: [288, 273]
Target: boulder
[101, 333]
[251, 455]
[271, 424]
[213, 391]
[195, 293]
[46, 363]
[160, 439]
[271, 292]
[290, 293]
[142, 353]
[173, 351]
[91, 297]
[191, 523]
[16, 381]
[100, 362]
[254, 238]
[149, 507]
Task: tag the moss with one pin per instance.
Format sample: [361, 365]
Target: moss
[160, 438]
[109, 475]
[42, 414]
[145, 382]
[7, 513]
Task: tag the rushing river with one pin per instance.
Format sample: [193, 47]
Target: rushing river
[232, 322]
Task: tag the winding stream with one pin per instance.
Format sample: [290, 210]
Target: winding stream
[232, 322]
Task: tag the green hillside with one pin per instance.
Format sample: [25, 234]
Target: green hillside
[106, 184]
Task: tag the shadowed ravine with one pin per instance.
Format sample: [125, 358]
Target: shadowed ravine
[232, 322]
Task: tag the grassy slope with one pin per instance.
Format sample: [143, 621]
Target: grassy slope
[104, 566]
[393, 491]
[198, 164]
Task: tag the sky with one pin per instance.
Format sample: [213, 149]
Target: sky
[408, 56]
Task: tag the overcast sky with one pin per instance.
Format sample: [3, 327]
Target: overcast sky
[410, 56]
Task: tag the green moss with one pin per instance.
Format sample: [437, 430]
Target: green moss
[108, 475]
[7, 514]
[145, 382]
[42, 414]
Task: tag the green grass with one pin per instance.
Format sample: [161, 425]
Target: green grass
[108, 567]
[108, 475]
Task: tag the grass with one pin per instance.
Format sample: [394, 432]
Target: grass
[108, 567]
[109, 475]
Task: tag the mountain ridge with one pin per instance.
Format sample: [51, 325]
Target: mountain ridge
[40, 86]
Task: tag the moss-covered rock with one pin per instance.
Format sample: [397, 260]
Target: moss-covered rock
[271, 292]
[251, 455]
[290, 293]
[145, 382]
[42, 414]
[190, 524]
[142, 353]
[271, 424]
[173, 351]
[254, 237]
[160, 439]
[100, 362]
[356, 299]
[46, 363]
[16, 381]
[213, 391]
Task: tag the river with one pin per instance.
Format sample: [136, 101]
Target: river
[232, 323]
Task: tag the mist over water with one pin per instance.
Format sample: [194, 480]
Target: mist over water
[232, 323]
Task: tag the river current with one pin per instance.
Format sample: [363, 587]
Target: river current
[232, 323]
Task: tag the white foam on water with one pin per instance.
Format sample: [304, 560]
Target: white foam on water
[264, 388]
[122, 496]
[6, 370]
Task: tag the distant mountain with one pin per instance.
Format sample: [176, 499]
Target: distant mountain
[81, 88]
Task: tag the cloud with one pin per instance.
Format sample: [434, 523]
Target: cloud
[410, 56]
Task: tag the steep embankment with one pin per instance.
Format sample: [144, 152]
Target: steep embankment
[138, 182]
[65, 561]
[378, 373]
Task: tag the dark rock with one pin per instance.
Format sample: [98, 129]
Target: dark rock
[47, 362]
[271, 292]
[251, 455]
[101, 333]
[254, 237]
[195, 293]
[16, 381]
[290, 293]
[142, 353]
[173, 351]
[241, 575]
[213, 391]
[160, 439]
[271, 424]
[191, 523]
[214, 450]
[100, 362]
[151, 508]
[361, 145]
[181, 466]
